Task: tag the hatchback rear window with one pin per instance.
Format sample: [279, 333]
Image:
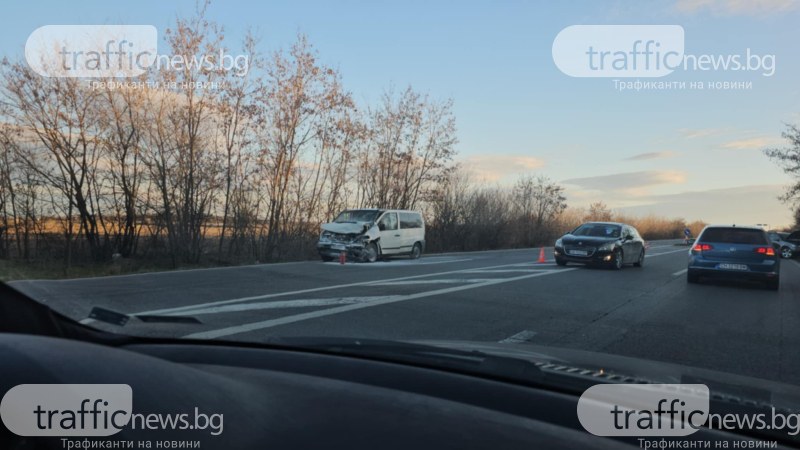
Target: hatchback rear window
[734, 236]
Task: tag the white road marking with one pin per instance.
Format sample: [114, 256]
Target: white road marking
[508, 271]
[384, 264]
[522, 336]
[435, 281]
[665, 253]
[425, 263]
[281, 304]
[254, 326]
[306, 291]
[680, 272]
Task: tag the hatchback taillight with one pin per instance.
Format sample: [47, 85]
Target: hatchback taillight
[768, 251]
[701, 248]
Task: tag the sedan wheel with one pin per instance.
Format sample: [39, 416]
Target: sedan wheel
[786, 253]
[640, 262]
[617, 260]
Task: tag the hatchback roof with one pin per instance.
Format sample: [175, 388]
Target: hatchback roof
[744, 227]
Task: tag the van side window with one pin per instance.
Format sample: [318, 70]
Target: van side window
[410, 220]
[388, 222]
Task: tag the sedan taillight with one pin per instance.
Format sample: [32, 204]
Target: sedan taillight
[768, 251]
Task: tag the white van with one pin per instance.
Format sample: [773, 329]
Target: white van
[369, 234]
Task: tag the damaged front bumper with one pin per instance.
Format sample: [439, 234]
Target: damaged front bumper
[330, 249]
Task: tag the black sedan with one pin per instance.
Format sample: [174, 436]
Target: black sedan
[607, 243]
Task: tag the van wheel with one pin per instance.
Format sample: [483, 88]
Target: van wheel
[370, 253]
[416, 251]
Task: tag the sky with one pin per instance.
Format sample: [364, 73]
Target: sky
[694, 154]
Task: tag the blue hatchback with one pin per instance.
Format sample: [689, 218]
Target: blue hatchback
[733, 252]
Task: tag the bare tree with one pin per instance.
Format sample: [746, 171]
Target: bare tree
[411, 142]
[538, 203]
[59, 114]
[788, 158]
[122, 115]
[599, 212]
[295, 106]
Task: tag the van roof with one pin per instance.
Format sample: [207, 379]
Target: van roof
[382, 209]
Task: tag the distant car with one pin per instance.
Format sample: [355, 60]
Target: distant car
[793, 238]
[607, 243]
[734, 252]
[784, 247]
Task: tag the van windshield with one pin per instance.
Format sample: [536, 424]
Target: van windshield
[357, 215]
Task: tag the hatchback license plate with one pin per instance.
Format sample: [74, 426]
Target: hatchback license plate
[579, 252]
[732, 266]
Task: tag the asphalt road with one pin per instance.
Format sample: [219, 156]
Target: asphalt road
[506, 296]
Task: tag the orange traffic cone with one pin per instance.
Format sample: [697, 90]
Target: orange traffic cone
[541, 255]
[342, 258]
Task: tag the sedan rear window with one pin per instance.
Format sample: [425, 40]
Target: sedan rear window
[734, 236]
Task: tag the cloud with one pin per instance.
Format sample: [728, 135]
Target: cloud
[756, 143]
[689, 133]
[721, 205]
[496, 167]
[737, 7]
[651, 155]
[631, 182]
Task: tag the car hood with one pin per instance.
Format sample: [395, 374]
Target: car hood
[586, 240]
[345, 228]
[615, 369]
